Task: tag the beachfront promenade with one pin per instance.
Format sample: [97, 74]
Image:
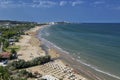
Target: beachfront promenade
[30, 49]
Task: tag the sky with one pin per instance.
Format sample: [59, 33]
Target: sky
[92, 11]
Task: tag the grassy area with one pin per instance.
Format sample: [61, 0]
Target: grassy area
[8, 49]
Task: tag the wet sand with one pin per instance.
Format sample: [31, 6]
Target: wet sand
[80, 69]
[69, 60]
[32, 47]
[31, 43]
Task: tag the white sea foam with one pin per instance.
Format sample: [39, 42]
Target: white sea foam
[96, 69]
[50, 44]
[79, 57]
[92, 67]
[47, 34]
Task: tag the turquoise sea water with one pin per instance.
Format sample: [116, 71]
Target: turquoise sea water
[96, 45]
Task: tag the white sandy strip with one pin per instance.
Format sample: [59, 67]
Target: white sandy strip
[27, 50]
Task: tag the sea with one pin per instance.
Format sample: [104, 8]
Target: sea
[94, 45]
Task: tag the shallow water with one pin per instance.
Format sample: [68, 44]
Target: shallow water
[94, 45]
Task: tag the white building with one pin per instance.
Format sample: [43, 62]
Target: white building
[51, 23]
[49, 77]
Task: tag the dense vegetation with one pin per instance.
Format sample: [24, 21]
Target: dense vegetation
[15, 71]
[16, 22]
[13, 32]
[6, 74]
[10, 32]
[13, 54]
[25, 64]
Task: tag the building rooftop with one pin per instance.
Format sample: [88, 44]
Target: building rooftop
[5, 55]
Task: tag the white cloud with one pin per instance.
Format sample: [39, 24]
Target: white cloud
[43, 3]
[62, 3]
[98, 2]
[5, 3]
[37, 3]
[74, 3]
[47, 4]
[11, 4]
[21, 3]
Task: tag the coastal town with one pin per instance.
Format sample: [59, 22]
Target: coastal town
[22, 56]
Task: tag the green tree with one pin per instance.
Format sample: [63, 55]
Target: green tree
[13, 51]
[5, 44]
[25, 64]
[13, 54]
[4, 74]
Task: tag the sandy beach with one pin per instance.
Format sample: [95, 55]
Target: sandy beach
[30, 48]
[29, 45]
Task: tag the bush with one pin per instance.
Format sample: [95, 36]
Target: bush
[13, 51]
[4, 74]
[20, 64]
[5, 44]
[13, 54]
[25, 64]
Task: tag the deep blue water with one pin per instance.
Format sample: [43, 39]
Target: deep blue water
[95, 44]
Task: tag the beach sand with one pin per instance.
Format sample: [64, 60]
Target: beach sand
[30, 48]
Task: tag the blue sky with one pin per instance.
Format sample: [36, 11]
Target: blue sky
[61, 10]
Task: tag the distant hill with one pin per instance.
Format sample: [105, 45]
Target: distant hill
[15, 22]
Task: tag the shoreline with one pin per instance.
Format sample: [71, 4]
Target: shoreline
[89, 72]
[69, 60]
[55, 53]
[82, 69]
[29, 45]
[32, 47]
